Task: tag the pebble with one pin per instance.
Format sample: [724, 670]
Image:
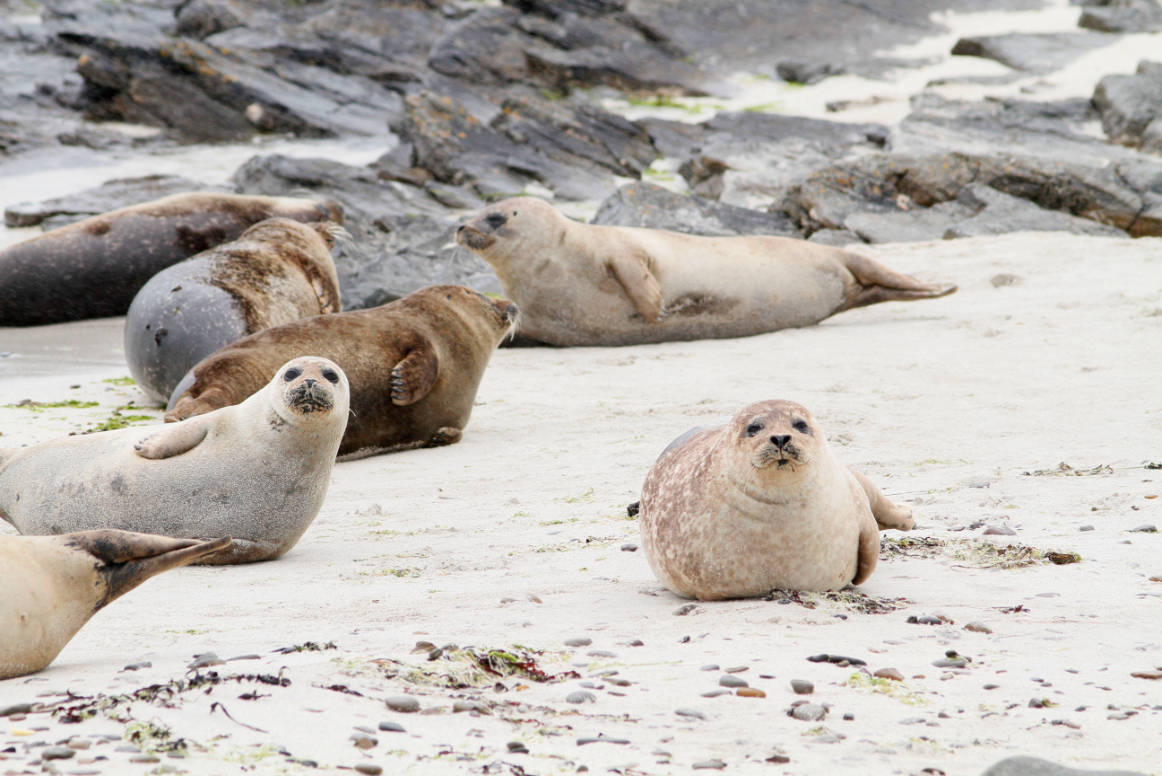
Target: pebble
[682, 611]
[405, 703]
[205, 660]
[629, 547]
[704, 764]
[1036, 703]
[849, 716]
[144, 758]
[364, 742]
[581, 697]
[999, 530]
[635, 643]
[1086, 528]
[991, 686]
[600, 739]
[56, 753]
[854, 661]
[1144, 529]
[460, 706]
[690, 713]
[977, 627]
[365, 729]
[957, 663]
[620, 682]
[751, 692]
[135, 667]
[727, 680]
[1147, 674]
[802, 687]
[78, 743]
[578, 642]
[395, 727]
[371, 769]
[19, 708]
[707, 667]
[127, 748]
[599, 653]
[809, 712]
[889, 673]
[912, 721]
[715, 693]
[736, 669]
[517, 747]
[924, 619]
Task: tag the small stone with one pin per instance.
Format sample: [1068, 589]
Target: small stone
[1144, 529]
[19, 708]
[56, 753]
[517, 747]
[912, 721]
[779, 756]
[991, 686]
[889, 673]
[405, 703]
[208, 659]
[927, 619]
[578, 642]
[809, 712]
[977, 627]
[134, 667]
[707, 667]
[370, 769]
[736, 669]
[1147, 674]
[581, 697]
[751, 692]
[802, 687]
[364, 742]
[395, 727]
[629, 547]
[144, 758]
[727, 680]
[849, 716]
[999, 530]
[958, 663]
[1086, 528]
[600, 739]
[690, 713]
[78, 743]
[715, 693]
[127, 748]
[1036, 703]
[837, 659]
[712, 764]
[682, 611]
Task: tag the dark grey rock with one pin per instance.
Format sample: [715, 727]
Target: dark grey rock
[1131, 107]
[57, 753]
[17, 708]
[839, 238]
[809, 712]
[110, 195]
[391, 727]
[578, 642]
[808, 72]
[404, 703]
[999, 213]
[1023, 765]
[1144, 529]
[729, 680]
[913, 225]
[1122, 16]
[1034, 52]
[646, 205]
[802, 687]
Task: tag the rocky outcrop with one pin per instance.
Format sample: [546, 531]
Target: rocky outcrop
[1131, 107]
[1033, 52]
[646, 205]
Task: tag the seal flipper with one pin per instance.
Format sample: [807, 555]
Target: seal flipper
[880, 283]
[869, 551]
[886, 514]
[633, 272]
[414, 376]
[173, 440]
[445, 436]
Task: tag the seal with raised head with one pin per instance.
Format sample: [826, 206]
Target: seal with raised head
[760, 503]
[53, 584]
[257, 471]
[278, 271]
[94, 268]
[581, 284]
[414, 365]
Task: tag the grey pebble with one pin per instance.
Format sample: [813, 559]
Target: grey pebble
[405, 703]
[601, 739]
[370, 769]
[517, 747]
[958, 663]
[682, 611]
[991, 686]
[849, 716]
[809, 712]
[802, 687]
[707, 667]
[206, 659]
[1144, 529]
[578, 642]
[999, 530]
[1086, 528]
[599, 653]
[581, 697]
[629, 547]
[128, 748]
[715, 693]
[244, 657]
[827, 738]
[977, 627]
[365, 729]
[736, 669]
[589, 686]
[395, 727]
[132, 667]
[727, 680]
[56, 753]
[709, 764]
[912, 721]
[19, 708]
[690, 713]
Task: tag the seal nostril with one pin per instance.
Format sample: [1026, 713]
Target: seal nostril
[780, 440]
[310, 381]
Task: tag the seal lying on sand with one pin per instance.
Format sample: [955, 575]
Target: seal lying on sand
[760, 503]
[414, 365]
[578, 284]
[93, 268]
[53, 584]
[257, 471]
[278, 271]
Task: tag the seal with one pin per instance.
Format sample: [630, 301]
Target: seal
[580, 284]
[94, 268]
[53, 584]
[257, 471]
[415, 365]
[760, 503]
[277, 271]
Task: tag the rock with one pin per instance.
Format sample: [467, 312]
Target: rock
[708, 765]
[464, 705]
[17, 708]
[517, 747]
[1145, 529]
[953, 663]
[404, 703]
[1022, 765]
[707, 667]
[730, 680]
[1122, 16]
[630, 547]
[999, 281]
[690, 713]
[999, 213]
[1033, 52]
[1086, 528]
[394, 727]
[364, 742]
[56, 753]
[977, 627]
[682, 611]
[802, 687]
[840, 238]
[205, 660]
[578, 642]
[807, 72]
[370, 769]
[1131, 107]
[889, 673]
[581, 696]
[646, 205]
[854, 661]
[110, 195]
[600, 653]
[1147, 674]
[809, 712]
[750, 692]
[912, 225]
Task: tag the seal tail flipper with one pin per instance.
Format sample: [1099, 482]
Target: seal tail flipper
[131, 558]
[879, 283]
[887, 514]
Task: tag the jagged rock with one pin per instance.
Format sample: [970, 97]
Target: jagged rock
[203, 18]
[999, 213]
[1023, 765]
[110, 195]
[1131, 107]
[1034, 52]
[556, 8]
[807, 72]
[913, 225]
[646, 205]
[1122, 16]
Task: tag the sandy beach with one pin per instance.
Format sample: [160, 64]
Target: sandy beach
[517, 539]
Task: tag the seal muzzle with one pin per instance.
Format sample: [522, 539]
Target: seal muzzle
[310, 396]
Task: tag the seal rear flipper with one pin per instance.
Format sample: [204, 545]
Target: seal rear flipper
[880, 283]
[172, 440]
[445, 436]
[633, 272]
[869, 551]
[886, 514]
[414, 376]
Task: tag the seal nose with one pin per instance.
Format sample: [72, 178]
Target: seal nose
[780, 440]
[310, 383]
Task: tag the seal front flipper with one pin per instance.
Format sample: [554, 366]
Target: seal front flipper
[869, 551]
[887, 514]
[445, 436]
[633, 272]
[415, 376]
[174, 440]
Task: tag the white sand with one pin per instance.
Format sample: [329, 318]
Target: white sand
[927, 398]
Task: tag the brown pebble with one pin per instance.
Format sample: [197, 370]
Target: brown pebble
[371, 769]
[1147, 674]
[977, 627]
[889, 673]
[750, 692]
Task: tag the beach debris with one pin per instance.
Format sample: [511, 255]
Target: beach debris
[839, 660]
[682, 611]
[459, 668]
[1064, 469]
[977, 627]
[849, 600]
[306, 646]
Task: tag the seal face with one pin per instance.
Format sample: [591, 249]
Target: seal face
[415, 365]
[257, 471]
[579, 284]
[277, 271]
[760, 503]
[94, 268]
[53, 585]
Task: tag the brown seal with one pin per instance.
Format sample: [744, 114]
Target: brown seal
[579, 284]
[760, 503]
[53, 584]
[277, 271]
[93, 268]
[414, 365]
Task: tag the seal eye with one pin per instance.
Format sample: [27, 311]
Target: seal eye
[754, 428]
[292, 373]
[330, 376]
[495, 220]
[800, 426]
